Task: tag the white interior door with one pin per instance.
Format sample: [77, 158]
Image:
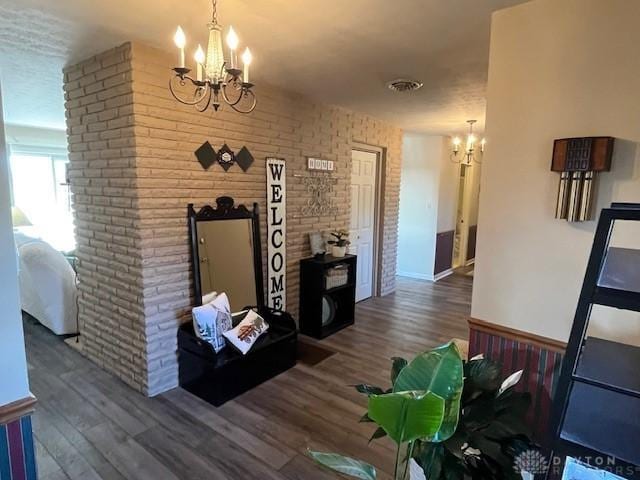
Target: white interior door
[363, 219]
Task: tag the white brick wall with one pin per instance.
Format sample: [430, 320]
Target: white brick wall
[134, 172]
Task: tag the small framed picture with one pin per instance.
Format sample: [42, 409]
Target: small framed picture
[324, 165]
[311, 163]
[330, 165]
[318, 164]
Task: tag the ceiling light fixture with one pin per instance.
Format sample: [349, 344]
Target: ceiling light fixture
[469, 155]
[214, 76]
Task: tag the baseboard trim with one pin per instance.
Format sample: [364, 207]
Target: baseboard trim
[443, 274]
[15, 410]
[418, 276]
[518, 335]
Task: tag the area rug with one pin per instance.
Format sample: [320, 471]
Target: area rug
[312, 354]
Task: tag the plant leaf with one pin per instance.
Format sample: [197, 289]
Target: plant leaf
[369, 389]
[483, 375]
[439, 371]
[407, 416]
[396, 367]
[510, 381]
[346, 465]
[379, 433]
[430, 456]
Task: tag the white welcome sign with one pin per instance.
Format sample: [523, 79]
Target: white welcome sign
[276, 233]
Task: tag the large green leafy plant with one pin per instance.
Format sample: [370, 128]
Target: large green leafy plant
[452, 419]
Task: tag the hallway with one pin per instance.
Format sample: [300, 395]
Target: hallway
[89, 425]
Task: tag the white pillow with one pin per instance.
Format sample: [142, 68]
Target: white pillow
[245, 334]
[209, 297]
[210, 321]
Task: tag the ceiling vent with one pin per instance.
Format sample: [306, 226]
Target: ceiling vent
[404, 85]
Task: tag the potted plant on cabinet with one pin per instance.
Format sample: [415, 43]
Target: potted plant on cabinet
[340, 243]
[450, 420]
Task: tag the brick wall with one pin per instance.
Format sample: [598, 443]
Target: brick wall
[140, 195]
[101, 134]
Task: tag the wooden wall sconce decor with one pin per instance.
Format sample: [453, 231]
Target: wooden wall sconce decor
[578, 160]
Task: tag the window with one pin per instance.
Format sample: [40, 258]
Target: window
[39, 188]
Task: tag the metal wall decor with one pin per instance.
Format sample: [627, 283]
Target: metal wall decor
[226, 157]
[206, 155]
[244, 159]
[578, 160]
[216, 79]
[319, 188]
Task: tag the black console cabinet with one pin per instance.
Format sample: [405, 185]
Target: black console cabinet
[218, 377]
[323, 310]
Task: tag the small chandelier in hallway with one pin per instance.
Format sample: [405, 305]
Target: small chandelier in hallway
[471, 153]
[216, 79]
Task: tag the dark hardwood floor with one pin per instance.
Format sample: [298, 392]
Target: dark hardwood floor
[89, 425]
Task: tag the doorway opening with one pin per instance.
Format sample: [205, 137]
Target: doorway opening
[366, 165]
[466, 218]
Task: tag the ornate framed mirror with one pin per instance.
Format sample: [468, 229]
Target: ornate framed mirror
[226, 253]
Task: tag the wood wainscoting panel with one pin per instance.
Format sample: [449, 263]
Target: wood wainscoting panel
[540, 359]
[14, 410]
[444, 251]
[17, 450]
[471, 242]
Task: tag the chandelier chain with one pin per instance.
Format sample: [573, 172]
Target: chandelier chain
[214, 12]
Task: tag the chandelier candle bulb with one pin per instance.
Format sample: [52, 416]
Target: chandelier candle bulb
[456, 144]
[232, 43]
[199, 57]
[246, 59]
[180, 42]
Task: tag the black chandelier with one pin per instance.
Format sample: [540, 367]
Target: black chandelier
[216, 80]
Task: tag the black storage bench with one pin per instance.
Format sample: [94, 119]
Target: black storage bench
[219, 377]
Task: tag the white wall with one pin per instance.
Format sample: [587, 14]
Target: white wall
[448, 193]
[428, 197]
[13, 365]
[421, 159]
[558, 68]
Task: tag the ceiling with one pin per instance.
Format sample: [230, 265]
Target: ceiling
[335, 51]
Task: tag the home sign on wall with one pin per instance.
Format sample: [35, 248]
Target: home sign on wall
[319, 164]
[276, 233]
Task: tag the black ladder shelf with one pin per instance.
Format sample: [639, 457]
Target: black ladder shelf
[596, 415]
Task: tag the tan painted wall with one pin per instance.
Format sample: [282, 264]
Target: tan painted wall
[557, 69]
[135, 172]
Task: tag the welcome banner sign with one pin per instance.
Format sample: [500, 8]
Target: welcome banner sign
[276, 233]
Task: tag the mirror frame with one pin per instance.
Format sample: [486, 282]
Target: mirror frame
[225, 210]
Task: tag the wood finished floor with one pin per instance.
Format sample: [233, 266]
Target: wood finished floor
[89, 425]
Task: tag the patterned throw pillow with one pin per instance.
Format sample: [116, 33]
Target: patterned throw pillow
[210, 321]
[245, 334]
